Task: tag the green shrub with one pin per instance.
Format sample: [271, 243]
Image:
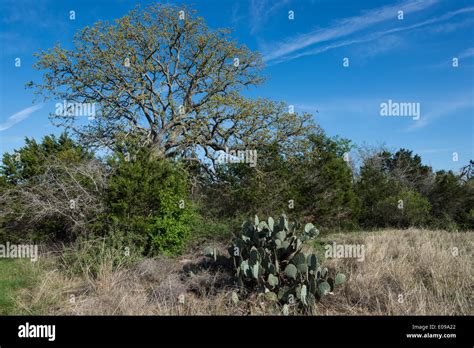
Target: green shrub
[29, 161]
[452, 198]
[444, 222]
[267, 257]
[403, 209]
[147, 199]
[207, 228]
[312, 182]
[329, 195]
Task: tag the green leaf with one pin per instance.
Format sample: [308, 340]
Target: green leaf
[244, 266]
[271, 223]
[312, 262]
[262, 226]
[311, 300]
[291, 271]
[324, 288]
[308, 227]
[281, 236]
[340, 278]
[312, 285]
[272, 280]
[254, 256]
[302, 268]
[255, 270]
[298, 259]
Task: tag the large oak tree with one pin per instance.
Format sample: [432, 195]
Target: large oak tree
[162, 77]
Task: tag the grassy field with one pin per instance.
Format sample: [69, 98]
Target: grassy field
[416, 272]
[16, 275]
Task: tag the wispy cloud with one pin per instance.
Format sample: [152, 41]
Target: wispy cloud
[261, 10]
[363, 107]
[236, 16]
[450, 27]
[467, 53]
[442, 109]
[345, 27]
[380, 46]
[371, 37]
[19, 116]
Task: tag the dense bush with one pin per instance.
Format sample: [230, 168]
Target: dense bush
[329, 195]
[404, 209]
[29, 161]
[242, 189]
[206, 227]
[396, 190]
[452, 201]
[148, 200]
[56, 191]
[313, 181]
[407, 170]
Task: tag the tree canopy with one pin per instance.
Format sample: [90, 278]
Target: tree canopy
[159, 75]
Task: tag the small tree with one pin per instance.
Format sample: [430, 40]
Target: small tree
[390, 188]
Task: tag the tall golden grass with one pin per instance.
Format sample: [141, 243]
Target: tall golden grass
[404, 272]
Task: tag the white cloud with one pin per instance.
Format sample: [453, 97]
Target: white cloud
[19, 116]
[362, 107]
[467, 53]
[441, 109]
[345, 27]
[261, 10]
[450, 27]
[373, 36]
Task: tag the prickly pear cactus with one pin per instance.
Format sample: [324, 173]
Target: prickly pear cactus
[267, 257]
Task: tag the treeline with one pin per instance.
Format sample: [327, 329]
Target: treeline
[323, 183]
[56, 190]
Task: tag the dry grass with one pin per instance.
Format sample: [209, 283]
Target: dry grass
[411, 272]
[51, 291]
[417, 264]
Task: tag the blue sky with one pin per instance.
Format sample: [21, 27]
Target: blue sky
[408, 60]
